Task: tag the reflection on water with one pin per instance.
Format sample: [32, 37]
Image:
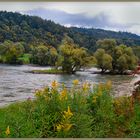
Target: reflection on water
[16, 84]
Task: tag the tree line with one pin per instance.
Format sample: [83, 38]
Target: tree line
[70, 57]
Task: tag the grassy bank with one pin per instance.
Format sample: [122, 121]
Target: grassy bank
[49, 71]
[88, 111]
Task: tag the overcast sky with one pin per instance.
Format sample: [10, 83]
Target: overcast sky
[117, 16]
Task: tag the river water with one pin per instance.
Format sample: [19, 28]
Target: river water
[17, 84]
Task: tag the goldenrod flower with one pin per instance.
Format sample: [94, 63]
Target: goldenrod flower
[67, 127]
[100, 87]
[47, 98]
[85, 86]
[117, 102]
[108, 85]
[75, 82]
[68, 114]
[94, 101]
[99, 93]
[94, 97]
[59, 127]
[63, 94]
[38, 93]
[54, 84]
[64, 127]
[7, 131]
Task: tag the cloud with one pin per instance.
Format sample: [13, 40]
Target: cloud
[81, 20]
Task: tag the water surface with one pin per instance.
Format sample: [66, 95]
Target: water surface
[16, 84]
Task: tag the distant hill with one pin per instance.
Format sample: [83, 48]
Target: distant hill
[34, 30]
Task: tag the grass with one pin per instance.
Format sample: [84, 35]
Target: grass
[83, 111]
[49, 71]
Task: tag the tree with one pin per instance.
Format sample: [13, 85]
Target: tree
[53, 55]
[10, 52]
[107, 44]
[104, 60]
[44, 55]
[117, 59]
[73, 57]
[124, 59]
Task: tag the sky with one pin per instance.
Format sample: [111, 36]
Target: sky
[116, 16]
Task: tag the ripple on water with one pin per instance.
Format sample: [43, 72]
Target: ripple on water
[16, 84]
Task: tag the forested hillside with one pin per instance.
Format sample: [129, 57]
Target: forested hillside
[33, 30]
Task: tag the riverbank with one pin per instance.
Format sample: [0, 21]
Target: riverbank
[70, 113]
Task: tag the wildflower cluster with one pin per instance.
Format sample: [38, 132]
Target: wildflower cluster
[84, 110]
[65, 124]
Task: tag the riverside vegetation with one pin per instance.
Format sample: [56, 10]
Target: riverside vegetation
[84, 110]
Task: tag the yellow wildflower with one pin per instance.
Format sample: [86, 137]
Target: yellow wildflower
[99, 93]
[47, 98]
[117, 102]
[108, 85]
[94, 101]
[68, 114]
[54, 84]
[59, 127]
[100, 87]
[63, 94]
[85, 86]
[7, 131]
[38, 93]
[67, 127]
[75, 82]
[94, 97]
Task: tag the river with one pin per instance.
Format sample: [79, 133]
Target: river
[16, 84]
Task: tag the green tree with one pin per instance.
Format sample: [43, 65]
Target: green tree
[44, 55]
[117, 59]
[107, 44]
[10, 52]
[73, 57]
[104, 60]
[40, 55]
[124, 59]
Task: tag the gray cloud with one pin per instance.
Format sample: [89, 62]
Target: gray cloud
[102, 20]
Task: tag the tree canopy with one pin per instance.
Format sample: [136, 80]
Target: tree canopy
[117, 59]
[73, 57]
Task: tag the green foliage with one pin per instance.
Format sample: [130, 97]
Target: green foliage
[117, 59]
[104, 60]
[10, 52]
[44, 55]
[73, 57]
[137, 51]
